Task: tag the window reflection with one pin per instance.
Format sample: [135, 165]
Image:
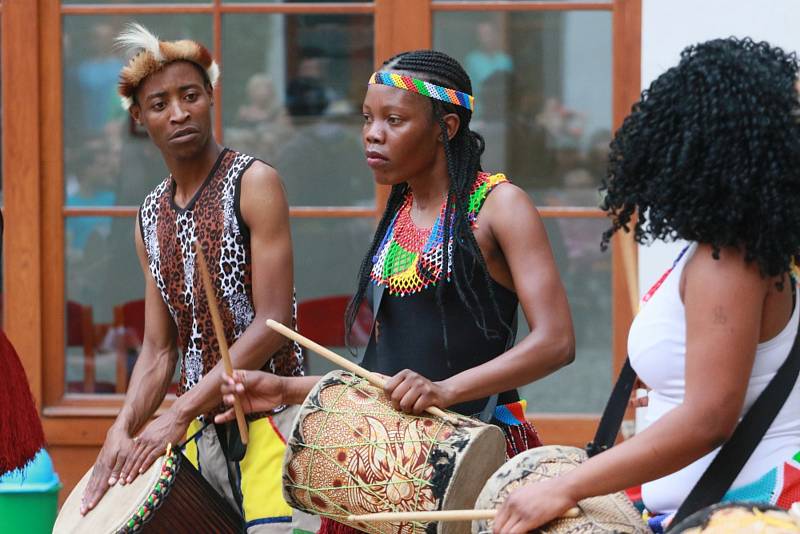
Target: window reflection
[293, 93]
[542, 81]
[583, 386]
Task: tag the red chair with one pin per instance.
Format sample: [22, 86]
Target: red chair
[129, 327]
[80, 333]
[322, 320]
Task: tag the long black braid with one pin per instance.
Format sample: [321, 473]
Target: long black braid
[463, 153]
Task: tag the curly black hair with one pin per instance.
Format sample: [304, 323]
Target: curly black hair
[463, 153]
[711, 153]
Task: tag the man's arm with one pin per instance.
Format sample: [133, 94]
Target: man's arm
[148, 386]
[266, 212]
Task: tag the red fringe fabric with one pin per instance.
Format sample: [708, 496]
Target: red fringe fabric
[329, 526]
[21, 434]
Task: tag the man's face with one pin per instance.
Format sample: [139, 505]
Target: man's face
[174, 105]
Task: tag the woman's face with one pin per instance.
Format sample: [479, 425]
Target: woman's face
[401, 139]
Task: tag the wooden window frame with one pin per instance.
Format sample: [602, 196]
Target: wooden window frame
[34, 196]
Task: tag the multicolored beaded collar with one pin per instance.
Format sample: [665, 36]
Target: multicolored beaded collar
[164, 483]
[424, 88]
[409, 258]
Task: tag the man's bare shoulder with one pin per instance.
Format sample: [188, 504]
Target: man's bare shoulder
[260, 177]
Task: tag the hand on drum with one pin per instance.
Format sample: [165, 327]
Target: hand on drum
[152, 443]
[532, 506]
[116, 450]
[257, 391]
[412, 393]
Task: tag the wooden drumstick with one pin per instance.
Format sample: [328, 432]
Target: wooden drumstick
[220, 334]
[441, 515]
[374, 379]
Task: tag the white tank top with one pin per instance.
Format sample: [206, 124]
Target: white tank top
[657, 350]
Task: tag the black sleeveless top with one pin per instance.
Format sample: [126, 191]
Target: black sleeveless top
[409, 331]
[409, 336]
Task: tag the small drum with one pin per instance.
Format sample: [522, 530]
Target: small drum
[609, 513]
[171, 497]
[351, 453]
[739, 518]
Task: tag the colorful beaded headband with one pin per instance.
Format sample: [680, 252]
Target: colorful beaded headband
[424, 88]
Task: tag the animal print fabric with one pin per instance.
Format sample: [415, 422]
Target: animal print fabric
[213, 218]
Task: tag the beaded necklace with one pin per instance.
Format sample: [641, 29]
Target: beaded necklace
[409, 259]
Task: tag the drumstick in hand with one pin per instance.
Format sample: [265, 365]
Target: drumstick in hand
[373, 378]
[220, 334]
[441, 515]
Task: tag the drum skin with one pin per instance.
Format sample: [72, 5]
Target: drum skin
[699, 520]
[350, 452]
[604, 514]
[189, 506]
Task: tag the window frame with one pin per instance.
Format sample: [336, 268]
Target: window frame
[33, 176]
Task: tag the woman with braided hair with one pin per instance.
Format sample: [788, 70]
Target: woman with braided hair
[448, 264]
[445, 318]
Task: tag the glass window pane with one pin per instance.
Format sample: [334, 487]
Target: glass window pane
[292, 1]
[327, 256]
[112, 2]
[294, 85]
[583, 386]
[107, 160]
[542, 82]
[104, 312]
[488, 6]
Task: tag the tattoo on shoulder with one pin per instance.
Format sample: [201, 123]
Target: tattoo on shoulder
[719, 315]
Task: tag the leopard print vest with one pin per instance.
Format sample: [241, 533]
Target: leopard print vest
[213, 218]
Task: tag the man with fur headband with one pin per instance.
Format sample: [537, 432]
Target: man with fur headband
[234, 205]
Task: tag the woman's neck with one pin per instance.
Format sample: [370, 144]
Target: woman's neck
[430, 189]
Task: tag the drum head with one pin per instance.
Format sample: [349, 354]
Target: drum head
[116, 507]
[607, 513]
[738, 517]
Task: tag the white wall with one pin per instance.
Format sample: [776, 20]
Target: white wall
[668, 26]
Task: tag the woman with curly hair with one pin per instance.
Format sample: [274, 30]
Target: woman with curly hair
[710, 155]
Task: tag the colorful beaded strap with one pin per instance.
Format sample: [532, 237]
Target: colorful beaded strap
[424, 88]
[409, 258]
[156, 497]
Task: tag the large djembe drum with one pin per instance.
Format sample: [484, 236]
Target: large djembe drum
[351, 453]
[739, 518]
[171, 496]
[605, 514]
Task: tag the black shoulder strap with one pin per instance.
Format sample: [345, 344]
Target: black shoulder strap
[727, 465]
[612, 417]
[374, 296]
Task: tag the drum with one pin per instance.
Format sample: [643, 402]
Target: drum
[171, 497]
[350, 452]
[739, 518]
[608, 513]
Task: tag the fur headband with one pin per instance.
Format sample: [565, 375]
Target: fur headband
[149, 55]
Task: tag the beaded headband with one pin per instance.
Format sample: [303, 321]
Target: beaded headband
[424, 88]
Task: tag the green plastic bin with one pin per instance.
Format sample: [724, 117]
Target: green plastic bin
[29, 498]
